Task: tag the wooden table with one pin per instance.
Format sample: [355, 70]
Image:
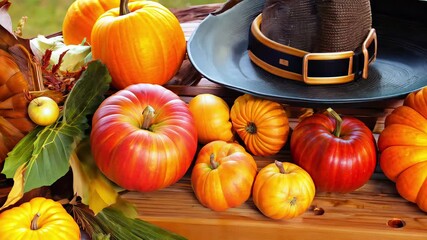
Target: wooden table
[375, 211]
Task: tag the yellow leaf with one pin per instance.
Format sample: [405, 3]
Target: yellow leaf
[80, 179]
[101, 194]
[17, 191]
[89, 183]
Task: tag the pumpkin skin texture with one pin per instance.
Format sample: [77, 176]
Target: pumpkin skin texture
[80, 17]
[146, 45]
[403, 148]
[138, 153]
[223, 175]
[54, 223]
[212, 117]
[341, 163]
[262, 124]
[283, 190]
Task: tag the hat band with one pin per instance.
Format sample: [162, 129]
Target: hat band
[311, 68]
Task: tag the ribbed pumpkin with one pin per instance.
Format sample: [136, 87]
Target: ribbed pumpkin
[223, 175]
[283, 190]
[81, 16]
[143, 42]
[40, 218]
[403, 148]
[262, 124]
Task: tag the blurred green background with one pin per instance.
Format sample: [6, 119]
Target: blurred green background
[46, 16]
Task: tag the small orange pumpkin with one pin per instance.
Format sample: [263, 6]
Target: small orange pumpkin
[283, 190]
[40, 218]
[140, 42]
[262, 124]
[212, 118]
[223, 175]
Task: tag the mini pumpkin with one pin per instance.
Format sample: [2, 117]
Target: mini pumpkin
[283, 190]
[223, 175]
[212, 118]
[40, 218]
[262, 124]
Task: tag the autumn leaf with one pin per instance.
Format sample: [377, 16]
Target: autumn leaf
[17, 191]
[89, 183]
[7, 37]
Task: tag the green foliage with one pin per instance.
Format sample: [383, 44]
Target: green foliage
[46, 150]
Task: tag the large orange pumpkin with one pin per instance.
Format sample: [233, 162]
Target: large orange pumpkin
[403, 147]
[143, 42]
[261, 124]
[223, 175]
[81, 16]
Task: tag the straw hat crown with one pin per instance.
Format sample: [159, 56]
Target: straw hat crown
[317, 25]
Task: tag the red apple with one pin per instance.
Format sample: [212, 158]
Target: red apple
[338, 153]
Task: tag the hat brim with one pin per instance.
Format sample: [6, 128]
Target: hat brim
[218, 50]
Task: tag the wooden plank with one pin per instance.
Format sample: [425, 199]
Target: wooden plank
[363, 214]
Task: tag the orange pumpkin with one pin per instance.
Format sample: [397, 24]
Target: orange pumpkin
[40, 218]
[142, 42]
[223, 175]
[283, 190]
[403, 148]
[81, 16]
[212, 118]
[262, 124]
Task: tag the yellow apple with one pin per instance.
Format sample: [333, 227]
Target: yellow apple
[43, 111]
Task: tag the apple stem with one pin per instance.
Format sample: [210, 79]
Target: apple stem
[338, 121]
[148, 116]
[34, 225]
[293, 201]
[214, 164]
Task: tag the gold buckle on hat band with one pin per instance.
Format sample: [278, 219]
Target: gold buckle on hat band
[369, 55]
[328, 56]
[372, 37]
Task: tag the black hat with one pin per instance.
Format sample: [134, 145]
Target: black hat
[218, 49]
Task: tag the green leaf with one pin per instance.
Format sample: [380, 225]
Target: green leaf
[47, 150]
[20, 153]
[121, 227]
[86, 96]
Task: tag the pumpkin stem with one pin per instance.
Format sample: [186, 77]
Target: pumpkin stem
[338, 120]
[124, 9]
[293, 201]
[148, 115]
[214, 164]
[34, 225]
[279, 164]
[251, 128]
